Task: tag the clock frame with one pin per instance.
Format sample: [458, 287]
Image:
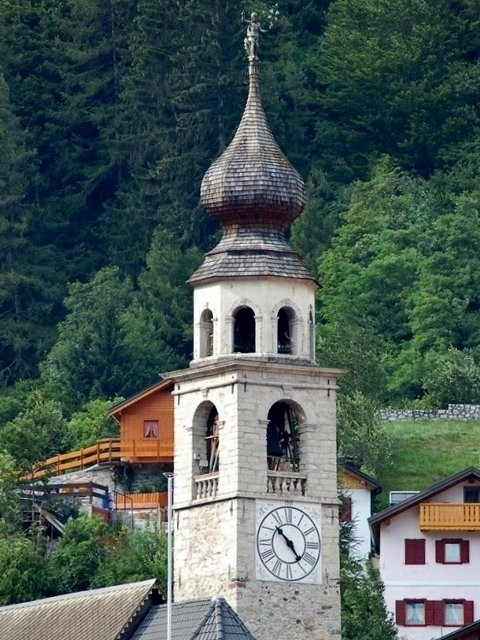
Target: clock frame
[288, 542]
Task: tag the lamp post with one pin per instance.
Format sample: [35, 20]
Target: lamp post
[169, 477]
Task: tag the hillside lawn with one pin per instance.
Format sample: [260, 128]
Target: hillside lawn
[424, 451]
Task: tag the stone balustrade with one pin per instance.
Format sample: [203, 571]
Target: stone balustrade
[287, 483]
[207, 486]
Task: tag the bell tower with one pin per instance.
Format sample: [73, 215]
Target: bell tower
[256, 509]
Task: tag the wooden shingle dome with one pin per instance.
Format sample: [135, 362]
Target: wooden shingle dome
[252, 181]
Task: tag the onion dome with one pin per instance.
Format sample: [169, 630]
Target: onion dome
[255, 193]
[252, 181]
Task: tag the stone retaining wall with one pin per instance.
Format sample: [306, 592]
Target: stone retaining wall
[456, 411]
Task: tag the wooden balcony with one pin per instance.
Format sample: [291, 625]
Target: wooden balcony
[109, 451]
[440, 516]
[152, 500]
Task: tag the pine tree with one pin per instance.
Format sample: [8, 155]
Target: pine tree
[25, 294]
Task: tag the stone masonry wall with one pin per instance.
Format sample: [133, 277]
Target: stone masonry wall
[453, 411]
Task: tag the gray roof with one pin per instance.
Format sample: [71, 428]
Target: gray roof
[250, 251]
[98, 614]
[192, 620]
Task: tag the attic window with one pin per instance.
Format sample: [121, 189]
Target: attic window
[470, 494]
[150, 428]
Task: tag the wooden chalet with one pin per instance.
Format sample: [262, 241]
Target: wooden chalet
[146, 424]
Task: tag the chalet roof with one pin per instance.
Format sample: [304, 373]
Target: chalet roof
[390, 512]
[194, 620]
[469, 632]
[372, 483]
[140, 395]
[99, 614]
[253, 181]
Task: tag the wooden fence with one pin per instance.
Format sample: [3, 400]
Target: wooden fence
[108, 451]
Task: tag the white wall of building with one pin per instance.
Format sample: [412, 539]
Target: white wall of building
[361, 511]
[432, 580]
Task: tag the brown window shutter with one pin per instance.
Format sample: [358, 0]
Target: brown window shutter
[409, 551]
[439, 551]
[468, 612]
[400, 612]
[429, 612]
[419, 551]
[438, 612]
[414, 551]
[464, 551]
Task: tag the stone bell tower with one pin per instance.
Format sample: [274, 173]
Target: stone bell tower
[256, 516]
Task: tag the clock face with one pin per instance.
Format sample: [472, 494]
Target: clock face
[288, 544]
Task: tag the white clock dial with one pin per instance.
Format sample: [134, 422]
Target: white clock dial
[288, 543]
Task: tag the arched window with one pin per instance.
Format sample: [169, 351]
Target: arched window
[206, 333]
[244, 330]
[283, 444]
[206, 443]
[285, 330]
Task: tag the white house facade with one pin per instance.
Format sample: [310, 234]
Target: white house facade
[429, 557]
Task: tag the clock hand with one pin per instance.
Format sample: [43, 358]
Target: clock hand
[290, 544]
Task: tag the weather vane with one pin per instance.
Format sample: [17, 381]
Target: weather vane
[254, 29]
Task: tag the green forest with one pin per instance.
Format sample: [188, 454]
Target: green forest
[110, 113]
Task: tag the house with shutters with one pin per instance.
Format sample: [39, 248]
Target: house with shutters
[428, 550]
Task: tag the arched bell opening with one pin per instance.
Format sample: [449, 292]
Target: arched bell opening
[286, 331]
[206, 443]
[206, 333]
[244, 330]
[283, 437]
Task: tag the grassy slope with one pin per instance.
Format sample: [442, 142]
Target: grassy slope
[425, 451]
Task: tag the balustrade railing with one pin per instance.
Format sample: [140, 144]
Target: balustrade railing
[287, 483]
[207, 486]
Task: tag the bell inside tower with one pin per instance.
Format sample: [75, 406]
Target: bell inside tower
[283, 451]
[244, 330]
[285, 330]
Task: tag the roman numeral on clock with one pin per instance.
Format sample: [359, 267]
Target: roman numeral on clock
[309, 559]
[277, 567]
[277, 518]
[267, 555]
[313, 544]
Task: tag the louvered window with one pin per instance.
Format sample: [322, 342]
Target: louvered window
[415, 551]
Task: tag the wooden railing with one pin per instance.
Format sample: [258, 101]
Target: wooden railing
[288, 483]
[437, 516]
[151, 500]
[112, 450]
[207, 485]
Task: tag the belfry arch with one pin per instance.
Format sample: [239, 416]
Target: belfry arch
[283, 436]
[206, 430]
[244, 330]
